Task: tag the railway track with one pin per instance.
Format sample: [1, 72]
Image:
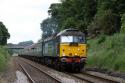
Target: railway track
[92, 78]
[32, 79]
[29, 77]
[85, 77]
[58, 78]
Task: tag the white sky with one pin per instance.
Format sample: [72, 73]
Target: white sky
[23, 18]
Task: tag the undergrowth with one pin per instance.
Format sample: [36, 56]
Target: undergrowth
[107, 52]
[4, 56]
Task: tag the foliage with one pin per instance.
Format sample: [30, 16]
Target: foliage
[101, 39]
[4, 35]
[48, 27]
[107, 24]
[96, 16]
[73, 13]
[123, 24]
[108, 54]
[120, 6]
[4, 56]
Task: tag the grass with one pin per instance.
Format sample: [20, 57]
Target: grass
[4, 56]
[107, 52]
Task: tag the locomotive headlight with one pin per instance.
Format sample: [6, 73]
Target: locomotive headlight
[63, 60]
[83, 60]
[78, 49]
[76, 54]
[63, 54]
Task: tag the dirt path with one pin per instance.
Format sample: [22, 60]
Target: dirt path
[9, 75]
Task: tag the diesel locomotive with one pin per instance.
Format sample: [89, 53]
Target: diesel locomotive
[65, 50]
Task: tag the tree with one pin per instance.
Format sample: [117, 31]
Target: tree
[48, 27]
[96, 16]
[120, 6]
[106, 20]
[73, 13]
[107, 24]
[4, 34]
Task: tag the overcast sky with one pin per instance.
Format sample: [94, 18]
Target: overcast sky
[23, 18]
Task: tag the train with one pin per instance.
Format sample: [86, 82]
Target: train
[65, 50]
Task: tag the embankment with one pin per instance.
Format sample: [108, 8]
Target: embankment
[4, 57]
[107, 52]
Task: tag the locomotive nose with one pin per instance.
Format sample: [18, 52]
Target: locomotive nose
[72, 49]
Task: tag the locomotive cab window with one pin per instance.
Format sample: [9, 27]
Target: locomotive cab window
[68, 39]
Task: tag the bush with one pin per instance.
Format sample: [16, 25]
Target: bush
[123, 23]
[108, 54]
[4, 56]
[106, 23]
[101, 39]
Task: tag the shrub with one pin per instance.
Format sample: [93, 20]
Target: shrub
[108, 54]
[123, 23]
[4, 56]
[106, 23]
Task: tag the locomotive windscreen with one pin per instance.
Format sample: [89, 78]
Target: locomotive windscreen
[68, 39]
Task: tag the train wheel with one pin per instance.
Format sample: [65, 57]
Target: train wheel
[77, 70]
[56, 64]
[83, 69]
[61, 67]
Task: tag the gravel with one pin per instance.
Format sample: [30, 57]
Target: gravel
[108, 72]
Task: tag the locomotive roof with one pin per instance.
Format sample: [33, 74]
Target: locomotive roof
[50, 38]
[67, 32]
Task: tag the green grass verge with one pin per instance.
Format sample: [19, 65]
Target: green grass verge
[107, 52]
[4, 56]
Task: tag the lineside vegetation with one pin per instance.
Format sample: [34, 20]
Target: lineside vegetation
[107, 52]
[4, 57]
